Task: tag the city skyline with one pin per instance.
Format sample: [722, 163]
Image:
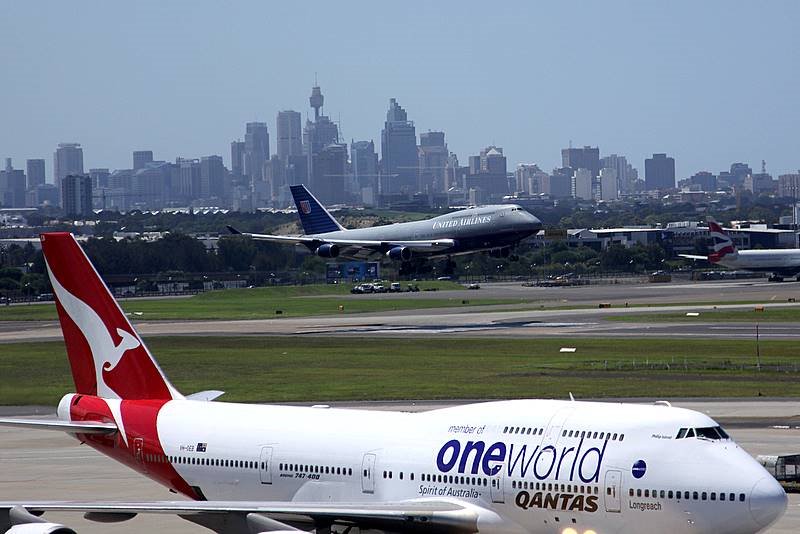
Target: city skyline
[631, 78]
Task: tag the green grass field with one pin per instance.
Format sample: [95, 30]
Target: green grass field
[768, 315]
[311, 369]
[263, 302]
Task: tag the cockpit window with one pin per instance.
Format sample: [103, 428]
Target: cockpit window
[710, 432]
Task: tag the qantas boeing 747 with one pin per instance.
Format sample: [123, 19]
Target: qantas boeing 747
[508, 467]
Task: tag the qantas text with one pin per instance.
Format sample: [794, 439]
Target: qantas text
[541, 463]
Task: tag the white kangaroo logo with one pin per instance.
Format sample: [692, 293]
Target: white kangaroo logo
[105, 353]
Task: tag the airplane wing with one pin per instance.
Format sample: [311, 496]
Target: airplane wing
[416, 516]
[84, 427]
[359, 248]
[693, 257]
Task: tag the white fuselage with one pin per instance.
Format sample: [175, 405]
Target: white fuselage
[528, 466]
[769, 260]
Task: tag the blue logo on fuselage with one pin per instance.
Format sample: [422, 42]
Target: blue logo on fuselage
[639, 468]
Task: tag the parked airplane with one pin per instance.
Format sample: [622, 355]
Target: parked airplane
[507, 467]
[496, 229]
[781, 262]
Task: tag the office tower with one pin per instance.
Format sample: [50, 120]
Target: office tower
[703, 181]
[151, 186]
[256, 150]
[399, 160]
[290, 134]
[35, 172]
[42, 195]
[626, 174]
[275, 176]
[530, 179]
[608, 184]
[67, 160]
[582, 184]
[76, 195]
[455, 175]
[582, 158]
[141, 158]
[561, 182]
[789, 186]
[487, 173]
[212, 177]
[364, 169]
[12, 186]
[237, 160]
[99, 178]
[186, 182]
[330, 168]
[432, 154]
[659, 173]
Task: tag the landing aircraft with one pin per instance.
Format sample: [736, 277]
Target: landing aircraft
[505, 467]
[780, 262]
[496, 229]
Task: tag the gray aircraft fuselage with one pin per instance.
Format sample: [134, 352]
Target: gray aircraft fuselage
[472, 229]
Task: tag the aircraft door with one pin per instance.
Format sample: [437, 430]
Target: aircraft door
[138, 450]
[368, 473]
[613, 490]
[496, 483]
[265, 465]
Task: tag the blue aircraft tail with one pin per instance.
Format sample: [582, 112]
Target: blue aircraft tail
[313, 216]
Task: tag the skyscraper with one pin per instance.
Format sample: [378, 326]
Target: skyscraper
[212, 177]
[582, 158]
[256, 150]
[237, 160]
[433, 154]
[290, 134]
[99, 178]
[582, 184]
[186, 182]
[659, 173]
[76, 195]
[67, 160]
[609, 185]
[141, 158]
[330, 166]
[488, 173]
[532, 180]
[364, 166]
[12, 186]
[626, 174]
[36, 173]
[399, 160]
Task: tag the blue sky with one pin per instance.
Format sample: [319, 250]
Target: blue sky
[707, 82]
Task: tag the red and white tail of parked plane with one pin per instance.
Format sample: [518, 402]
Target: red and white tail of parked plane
[505, 467]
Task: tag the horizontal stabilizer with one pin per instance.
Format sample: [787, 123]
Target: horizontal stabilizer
[83, 427]
[693, 257]
[209, 395]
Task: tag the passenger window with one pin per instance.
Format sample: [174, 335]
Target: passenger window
[621, 437]
[638, 493]
[630, 492]
[646, 493]
[713, 496]
[669, 494]
[704, 496]
[694, 495]
[741, 497]
[686, 495]
[614, 438]
[662, 494]
[721, 496]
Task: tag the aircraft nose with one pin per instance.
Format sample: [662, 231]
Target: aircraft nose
[767, 501]
[534, 222]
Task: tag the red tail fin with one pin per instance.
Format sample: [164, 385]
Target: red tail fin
[107, 357]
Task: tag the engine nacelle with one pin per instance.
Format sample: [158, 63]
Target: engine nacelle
[327, 250]
[500, 252]
[40, 528]
[399, 254]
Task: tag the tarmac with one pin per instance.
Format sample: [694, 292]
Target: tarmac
[46, 465]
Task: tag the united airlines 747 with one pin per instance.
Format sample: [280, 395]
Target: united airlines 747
[496, 229]
[507, 467]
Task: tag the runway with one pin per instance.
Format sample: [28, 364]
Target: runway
[40, 465]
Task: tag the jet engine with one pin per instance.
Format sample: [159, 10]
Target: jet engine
[40, 528]
[327, 250]
[399, 254]
[500, 252]
[22, 521]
